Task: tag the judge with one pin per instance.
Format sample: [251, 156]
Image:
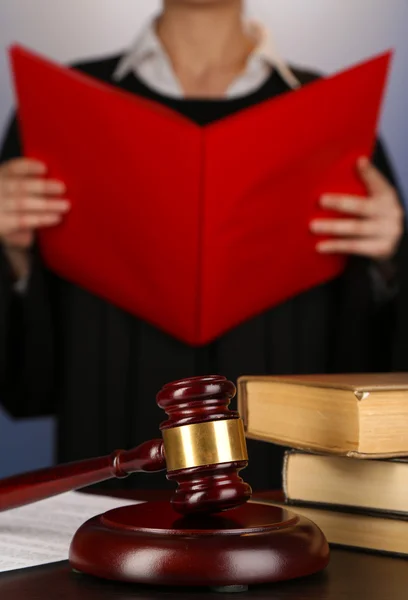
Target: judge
[69, 353]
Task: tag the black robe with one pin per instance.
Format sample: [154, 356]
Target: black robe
[66, 352]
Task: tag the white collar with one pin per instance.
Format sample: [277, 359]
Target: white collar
[147, 44]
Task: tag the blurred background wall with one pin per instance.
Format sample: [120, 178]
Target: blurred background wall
[326, 35]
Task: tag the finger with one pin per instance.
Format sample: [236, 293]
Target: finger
[349, 227]
[371, 247]
[373, 179]
[23, 167]
[32, 204]
[13, 186]
[352, 205]
[22, 221]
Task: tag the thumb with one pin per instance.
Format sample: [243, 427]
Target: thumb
[374, 181]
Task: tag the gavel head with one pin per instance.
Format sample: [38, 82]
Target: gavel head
[204, 444]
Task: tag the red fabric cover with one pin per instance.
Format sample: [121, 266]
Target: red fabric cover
[194, 229]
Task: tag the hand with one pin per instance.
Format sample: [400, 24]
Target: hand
[376, 223]
[28, 201]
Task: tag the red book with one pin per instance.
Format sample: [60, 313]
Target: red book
[194, 229]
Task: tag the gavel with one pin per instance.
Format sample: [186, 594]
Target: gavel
[195, 540]
[203, 449]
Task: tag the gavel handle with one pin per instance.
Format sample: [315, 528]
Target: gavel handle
[45, 483]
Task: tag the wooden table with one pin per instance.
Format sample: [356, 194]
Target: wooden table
[350, 576]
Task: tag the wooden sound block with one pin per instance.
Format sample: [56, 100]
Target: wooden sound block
[152, 544]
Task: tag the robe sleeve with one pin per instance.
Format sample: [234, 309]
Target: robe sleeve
[397, 312]
[371, 319]
[385, 275]
[26, 327]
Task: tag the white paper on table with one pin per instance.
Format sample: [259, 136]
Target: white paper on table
[41, 533]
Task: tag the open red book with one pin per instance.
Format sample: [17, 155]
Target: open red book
[194, 229]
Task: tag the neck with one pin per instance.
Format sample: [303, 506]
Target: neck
[203, 36]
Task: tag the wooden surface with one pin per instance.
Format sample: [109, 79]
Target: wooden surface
[349, 576]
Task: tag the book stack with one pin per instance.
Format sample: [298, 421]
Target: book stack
[347, 469]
